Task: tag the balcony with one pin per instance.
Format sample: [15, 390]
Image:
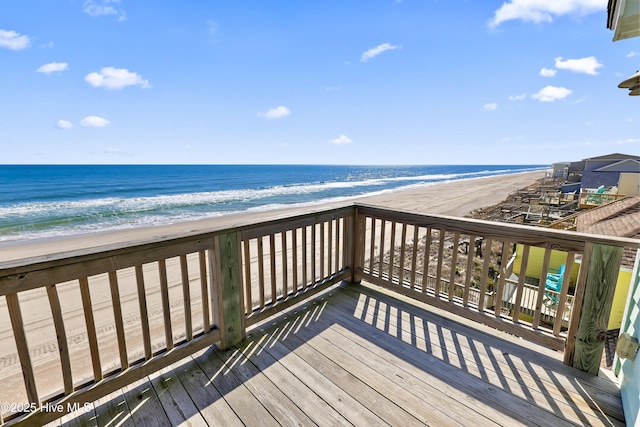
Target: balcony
[592, 198]
[320, 317]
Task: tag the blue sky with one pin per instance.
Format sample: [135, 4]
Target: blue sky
[331, 82]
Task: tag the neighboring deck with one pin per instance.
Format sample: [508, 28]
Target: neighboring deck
[358, 356]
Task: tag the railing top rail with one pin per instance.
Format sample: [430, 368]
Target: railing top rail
[517, 233]
[19, 259]
[22, 258]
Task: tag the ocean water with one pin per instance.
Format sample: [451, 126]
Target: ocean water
[49, 201]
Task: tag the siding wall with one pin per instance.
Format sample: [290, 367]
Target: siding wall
[629, 373]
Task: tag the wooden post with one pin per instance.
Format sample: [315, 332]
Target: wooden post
[230, 290]
[602, 276]
[355, 241]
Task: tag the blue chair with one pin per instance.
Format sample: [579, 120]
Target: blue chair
[554, 283]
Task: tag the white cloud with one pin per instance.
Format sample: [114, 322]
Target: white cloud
[377, 51]
[544, 10]
[551, 93]
[13, 41]
[276, 113]
[115, 78]
[341, 140]
[546, 72]
[212, 27]
[587, 65]
[117, 152]
[628, 141]
[63, 124]
[53, 67]
[490, 107]
[632, 54]
[517, 97]
[94, 122]
[512, 138]
[104, 8]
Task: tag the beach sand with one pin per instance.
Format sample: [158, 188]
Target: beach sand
[455, 199]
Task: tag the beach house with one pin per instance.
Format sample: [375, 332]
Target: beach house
[612, 170]
[602, 179]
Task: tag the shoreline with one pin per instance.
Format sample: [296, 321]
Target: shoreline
[453, 198]
[29, 238]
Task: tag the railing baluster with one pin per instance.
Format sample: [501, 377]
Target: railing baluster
[186, 297]
[117, 315]
[382, 239]
[541, 289]
[91, 328]
[339, 223]
[272, 264]
[247, 275]
[522, 273]
[65, 362]
[454, 260]
[425, 263]
[322, 253]
[561, 308]
[485, 273]
[144, 315]
[392, 249]
[403, 245]
[294, 253]
[305, 262]
[215, 284]
[261, 284]
[414, 257]
[372, 242]
[284, 256]
[469, 273]
[354, 239]
[503, 269]
[440, 259]
[578, 299]
[206, 321]
[330, 248]
[314, 257]
[17, 324]
[166, 309]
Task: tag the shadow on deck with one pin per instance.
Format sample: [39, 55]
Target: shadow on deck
[359, 356]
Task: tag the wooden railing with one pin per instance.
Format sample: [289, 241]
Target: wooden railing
[591, 199]
[431, 243]
[550, 299]
[86, 323]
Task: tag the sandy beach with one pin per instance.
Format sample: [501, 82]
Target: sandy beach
[455, 199]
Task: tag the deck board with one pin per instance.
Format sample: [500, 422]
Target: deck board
[357, 356]
[509, 365]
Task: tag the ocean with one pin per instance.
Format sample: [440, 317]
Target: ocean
[51, 201]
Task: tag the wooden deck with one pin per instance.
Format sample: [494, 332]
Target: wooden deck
[360, 356]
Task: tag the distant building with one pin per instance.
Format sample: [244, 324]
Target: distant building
[606, 170]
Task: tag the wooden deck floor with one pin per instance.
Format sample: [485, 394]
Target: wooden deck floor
[360, 357]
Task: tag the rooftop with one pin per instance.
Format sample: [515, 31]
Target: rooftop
[620, 218]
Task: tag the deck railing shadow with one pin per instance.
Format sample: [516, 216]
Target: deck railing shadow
[418, 338]
[249, 272]
[429, 341]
